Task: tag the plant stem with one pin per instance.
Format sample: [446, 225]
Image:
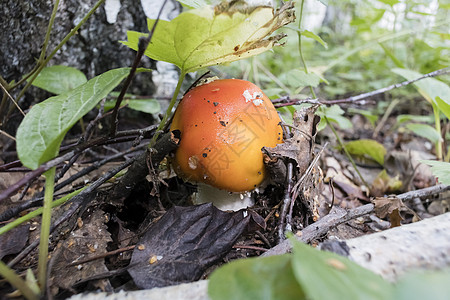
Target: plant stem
[305, 66]
[49, 30]
[437, 124]
[37, 212]
[346, 151]
[50, 56]
[168, 113]
[299, 34]
[45, 227]
[17, 282]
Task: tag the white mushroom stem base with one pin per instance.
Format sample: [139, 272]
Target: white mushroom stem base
[222, 199]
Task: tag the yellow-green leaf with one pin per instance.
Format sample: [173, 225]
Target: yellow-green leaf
[366, 147]
[210, 36]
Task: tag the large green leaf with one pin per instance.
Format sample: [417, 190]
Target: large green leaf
[424, 285]
[425, 131]
[59, 79]
[439, 169]
[366, 147]
[43, 128]
[256, 278]
[209, 36]
[326, 275]
[429, 88]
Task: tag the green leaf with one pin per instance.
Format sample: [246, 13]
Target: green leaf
[366, 147]
[444, 106]
[315, 37]
[425, 131]
[326, 275]
[59, 79]
[334, 114]
[255, 278]
[406, 118]
[369, 115]
[150, 106]
[43, 128]
[210, 36]
[298, 78]
[389, 2]
[194, 3]
[439, 169]
[424, 285]
[392, 56]
[429, 88]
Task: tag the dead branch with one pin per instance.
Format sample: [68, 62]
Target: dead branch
[338, 216]
[287, 101]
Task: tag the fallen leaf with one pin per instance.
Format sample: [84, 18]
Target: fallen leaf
[300, 146]
[181, 245]
[389, 206]
[89, 240]
[13, 241]
[385, 184]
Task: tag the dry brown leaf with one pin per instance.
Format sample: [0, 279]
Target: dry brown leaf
[389, 206]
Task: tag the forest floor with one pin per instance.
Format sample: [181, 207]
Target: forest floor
[115, 236]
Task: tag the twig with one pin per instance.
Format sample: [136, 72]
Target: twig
[35, 173]
[84, 196]
[350, 158]
[336, 217]
[385, 117]
[37, 200]
[76, 201]
[83, 138]
[142, 46]
[12, 99]
[285, 219]
[100, 256]
[57, 48]
[422, 193]
[386, 89]
[298, 185]
[249, 247]
[122, 137]
[287, 101]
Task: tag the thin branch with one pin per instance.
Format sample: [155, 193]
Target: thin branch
[422, 193]
[100, 256]
[33, 174]
[142, 46]
[338, 216]
[12, 99]
[287, 101]
[284, 218]
[58, 47]
[82, 199]
[77, 202]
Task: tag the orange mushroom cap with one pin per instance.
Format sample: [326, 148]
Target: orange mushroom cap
[224, 124]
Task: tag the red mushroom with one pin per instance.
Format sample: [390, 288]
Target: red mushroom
[224, 124]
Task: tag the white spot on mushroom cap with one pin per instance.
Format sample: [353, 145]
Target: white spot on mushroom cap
[256, 98]
[193, 162]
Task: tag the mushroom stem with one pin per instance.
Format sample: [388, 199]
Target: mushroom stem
[222, 199]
